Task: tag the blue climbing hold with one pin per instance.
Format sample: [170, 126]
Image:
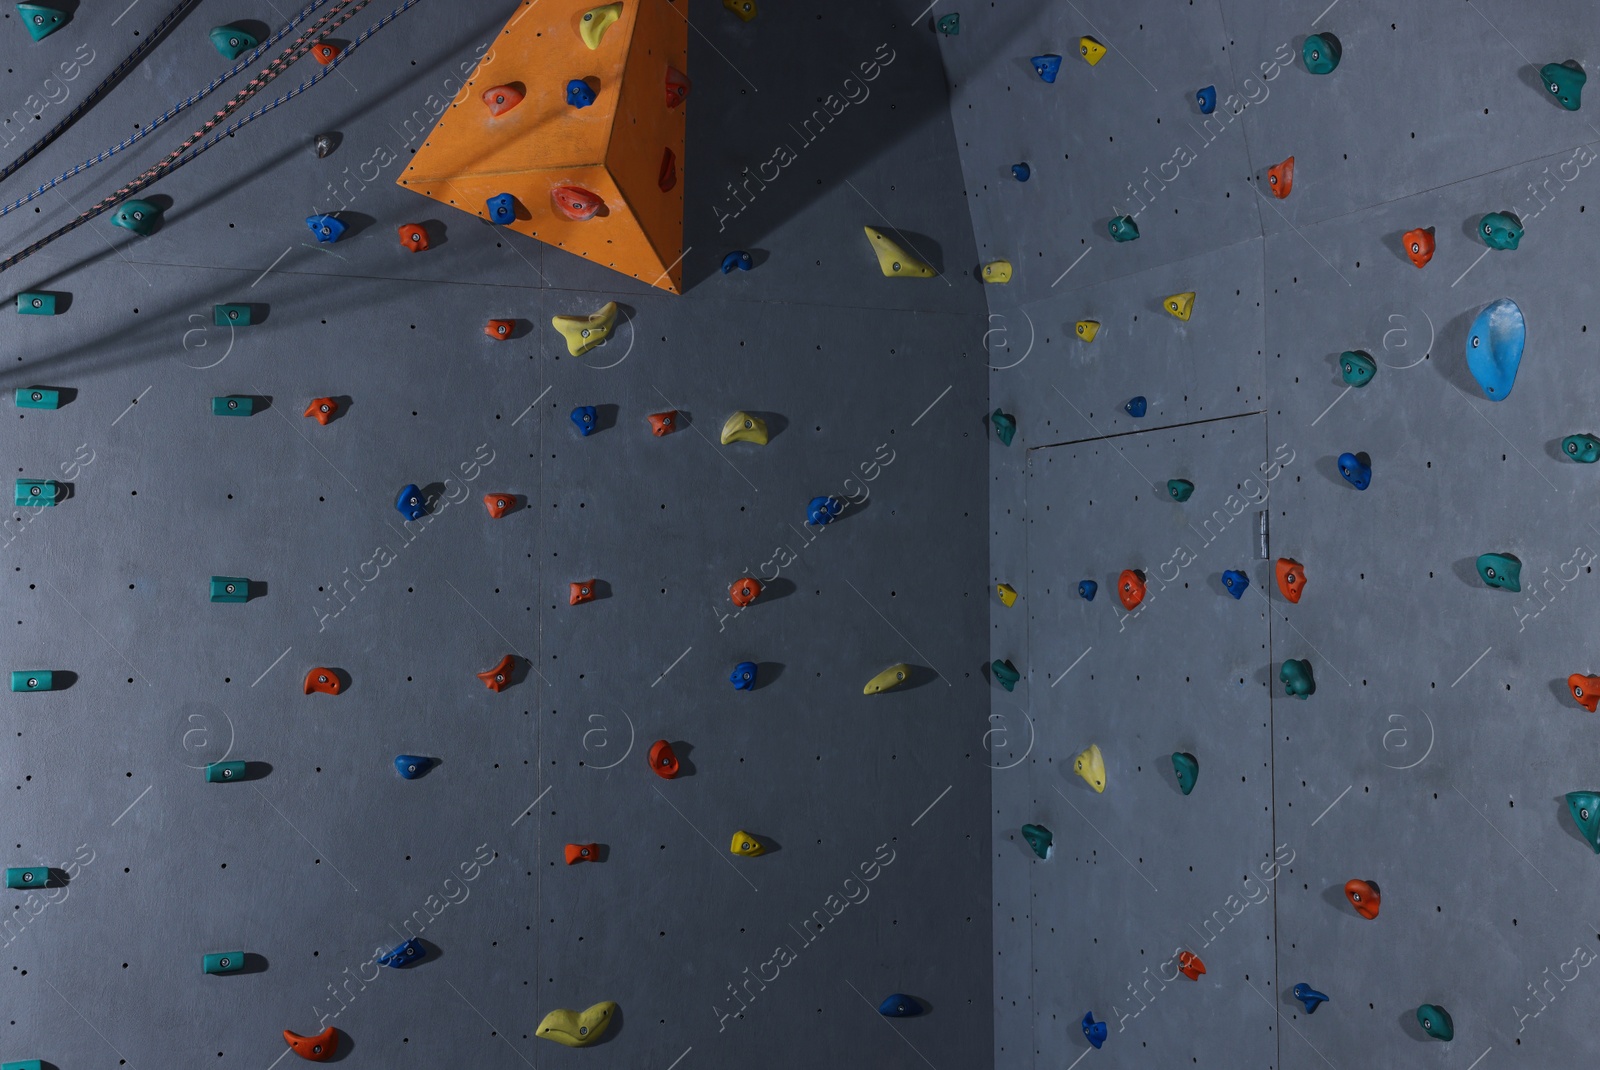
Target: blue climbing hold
[412, 766]
[585, 417]
[403, 954]
[1236, 582]
[410, 502]
[502, 209]
[579, 95]
[1020, 171]
[325, 227]
[1047, 66]
[1309, 996]
[743, 677]
[1086, 589]
[1135, 407]
[737, 259]
[1207, 99]
[900, 1005]
[1356, 469]
[822, 510]
[1094, 1032]
[1494, 347]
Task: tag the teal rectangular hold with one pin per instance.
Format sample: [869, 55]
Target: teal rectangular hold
[231, 316]
[224, 772]
[37, 397]
[37, 492]
[223, 962]
[24, 1064]
[233, 405]
[27, 876]
[32, 680]
[230, 589]
[36, 304]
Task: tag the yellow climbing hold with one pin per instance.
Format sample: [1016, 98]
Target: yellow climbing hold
[997, 271]
[1008, 593]
[746, 844]
[595, 23]
[574, 1029]
[583, 333]
[1091, 50]
[745, 9]
[742, 427]
[895, 261]
[1092, 767]
[1087, 329]
[888, 679]
[1180, 305]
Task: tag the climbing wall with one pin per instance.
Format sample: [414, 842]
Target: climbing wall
[803, 126]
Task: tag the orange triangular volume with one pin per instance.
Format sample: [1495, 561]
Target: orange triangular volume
[613, 148]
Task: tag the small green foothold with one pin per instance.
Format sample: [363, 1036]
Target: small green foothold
[1585, 449]
[1005, 673]
[23, 1064]
[1039, 838]
[1501, 570]
[32, 680]
[1500, 230]
[1356, 367]
[1297, 679]
[1180, 489]
[950, 24]
[1321, 53]
[230, 589]
[41, 21]
[1123, 228]
[36, 304]
[37, 397]
[233, 405]
[1565, 82]
[27, 876]
[230, 315]
[223, 962]
[138, 216]
[1585, 807]
[1187, 767]
[1435, 1021]
[224, 772]
[1005, 426]
[37, 493]
[231, 41]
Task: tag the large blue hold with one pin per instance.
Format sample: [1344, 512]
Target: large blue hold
[412, 766]
[1355, 471]
[1236, 582]
[1020, 172]
[1494, 347]
[1309, 996]
[900, 1005]
[502, 209]
[1086, 589]
[1135, 407]
[585, 417]
[738, 259]
[1207, 99]
[743, 676]
[403, 955]
[579, 95]
[822, 510]
[1094, 1032]
[1047, 66]
[325, 227]
[410, 502]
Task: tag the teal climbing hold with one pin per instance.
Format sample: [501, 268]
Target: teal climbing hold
[37, 493]
[232, 405]
[223, 962]
[232, 42]
[230, 589]
[1585, 807]
[41, 21]
[1321, 53]
[1565, 82]
[1500, 230]
[1180, 489]
[1297, 679]
[1039, 838]
[1585, 449]
[1494, 347]
[1435, 1021]
[32, 680]
[230, 315]
[950, 24]
[1005, 426]
[37, 397]
[224, 772]
[1356, 367]
[27, 876]
[1005, 673]
[140, 217]
[36, 304]
[1500, 570]
[23, 1064]
[1123, 228]
[1187, 767]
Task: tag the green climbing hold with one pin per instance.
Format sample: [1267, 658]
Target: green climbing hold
[27, 876]
[1585, 807]
[233, 405]
[1435, 1021]
[1585, 449]
[223, 962]
[230, 589]
[1500, 230]
[1356, 367]
[37, 397]
[32, 680]
[1501, 570]
[41, 21]
[1039, 838]
[1005, 426]
[37, 493]
[1005, 673]
[1321, 53]
[1565, 82]
[1297, 679]
[36, 304]
[230, 315]
[224, 772]
[950, 24]
[1187, 766]
[140, 217]
[232, 42]
[1180, 489]
[1123, 228]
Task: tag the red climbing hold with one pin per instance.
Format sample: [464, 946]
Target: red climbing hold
[322, 410]
[499, 504]
[1419, 245]
[1281, 178]
[1291, 578]
[576, 203]
[678, 86]
[582, 591]
[499, 677]
[1363, 895]
[744, 591]
[1130, 588]
[1190, 966]
[323, 681]
[663, 423]
[413, 237]
[499, 330]
[324, 53]
[669, 171]
[1585, 690]
[582, 852]
[319, 1049]
[500, 99]
[662, 760]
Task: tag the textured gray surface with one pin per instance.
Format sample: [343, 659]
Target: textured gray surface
[868, 383]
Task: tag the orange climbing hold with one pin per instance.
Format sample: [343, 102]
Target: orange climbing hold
[413, 237]
[1130, 588]
[576, 203]
[582, 852]
[663, 423]
[318, 1049]
[1190, 966]
[499, 677]
[1585, 690]
[1291, 578]
[1363, 895]
[324, 53]
[499, 504]
[1281, 178]
[322, 681]
[1419, 245]
[499, 330]
[322, 410]
[581, 591]
[500, 99]
[663, 761]
[744, 591]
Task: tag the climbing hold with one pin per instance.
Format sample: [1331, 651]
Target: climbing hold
[1585, 449]
[888, 679]
[583, 333]
[1039, 838]
[1087, 589]
[576, 203]
[576, 1030]
[821, 510]
[36, 304]
[499, 677]
[1007, 593]
[1004, 673]
[1123, 228]
[1180, 489]
[742, 427]
[411, 766]
[1091, 50]
[1419, 245]
[1187, 768]
[1356, 367]
[140, 217]
[595, 22]
[737, 259]
[1565, 82]
[1585, 690]
[318, 1049]
[744, 591]
[580, 591]
[231, 41]
[584, 418]
[1364, 896]
[1309, 996]
[678, 86]
[1281, 178]
[1494, 347]
[1190, 966]
[1135, 406]
[1047, 66]
[413, 237]
[324, 144]
[322, 410]
[224, 772]
[899, 1005]
[223, 961]
[1297, 679]
[1236, 582]
[37, 397]
[1291, 579]
[667, 177]
[1005, 426]
[1584, 805]
[1091, 765]
[32, 680]
[1207, 99]
[997, 271]
[499, 504]
[1087, 329]
[41, 21]
[579, 95]
[745, 844]
[663, 761]
[1021, 172]
[950, 24]
[745, 9]
[1094, 1032]
[402, 954]
[1356, 471]
[894, 261]
[23, 1064]
[1501, 570]
[500, 99]
[1321, 53]
[1130, 588]
[410, 503]
[743, 676]
[500, 330]
[235, 315]
[322, 681]
[27, 876]
[325, 53]
[327, 229]
[230, 589]
[582, 852]
[1180, 305]
[37, 493]
[1435, 1021]
[1500, 230]
[502, 208]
